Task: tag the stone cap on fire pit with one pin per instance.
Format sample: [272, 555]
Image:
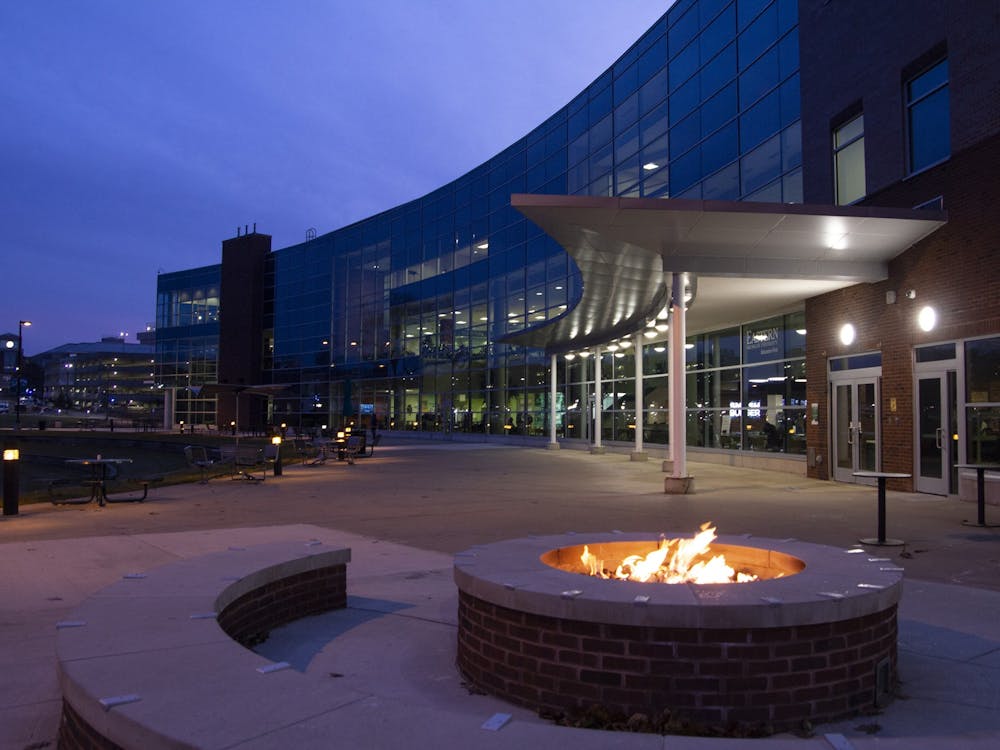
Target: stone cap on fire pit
[834, 584]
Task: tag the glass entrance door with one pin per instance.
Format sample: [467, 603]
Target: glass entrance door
[856, 437]
[937, 433]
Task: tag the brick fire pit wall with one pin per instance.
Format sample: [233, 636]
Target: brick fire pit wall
[819, 645]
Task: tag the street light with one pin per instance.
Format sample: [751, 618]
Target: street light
[17, 373]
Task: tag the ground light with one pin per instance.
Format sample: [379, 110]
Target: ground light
[11, 478]
[276, 442]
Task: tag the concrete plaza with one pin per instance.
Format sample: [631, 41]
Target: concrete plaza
[408, 509]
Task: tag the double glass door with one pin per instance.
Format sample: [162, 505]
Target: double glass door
[856, 434]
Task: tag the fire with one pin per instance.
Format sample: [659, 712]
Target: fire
[679, 568]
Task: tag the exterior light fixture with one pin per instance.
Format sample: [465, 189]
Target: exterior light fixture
[847, 334]
[612, 347]
[570, 356]
[21, 324]
[927, 318]
[649, 333]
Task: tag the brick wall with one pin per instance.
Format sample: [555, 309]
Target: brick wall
[278, 603]
[778, 677]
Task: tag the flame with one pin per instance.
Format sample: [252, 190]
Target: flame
[680, 568]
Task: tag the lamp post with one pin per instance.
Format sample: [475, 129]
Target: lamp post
[17, 373]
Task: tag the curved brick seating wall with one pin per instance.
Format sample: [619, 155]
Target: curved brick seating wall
[170, 639]
[776, 676]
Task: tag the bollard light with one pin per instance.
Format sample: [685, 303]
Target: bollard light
[276, 442]
[11, 479]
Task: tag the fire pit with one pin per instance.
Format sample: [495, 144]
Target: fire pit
[813, 639]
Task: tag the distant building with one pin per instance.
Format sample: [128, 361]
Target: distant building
[109, 377]
[778, 215]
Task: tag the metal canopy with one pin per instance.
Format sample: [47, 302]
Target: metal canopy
[752, 260]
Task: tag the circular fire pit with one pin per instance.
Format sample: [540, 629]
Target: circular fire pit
[817, 643]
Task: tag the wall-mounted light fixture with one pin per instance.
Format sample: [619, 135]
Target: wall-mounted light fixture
[927, 318]
[847, 334]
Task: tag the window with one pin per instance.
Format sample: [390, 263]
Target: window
[927, 117]
[849, 160]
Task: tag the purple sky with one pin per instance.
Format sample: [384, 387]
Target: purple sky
[136, 136]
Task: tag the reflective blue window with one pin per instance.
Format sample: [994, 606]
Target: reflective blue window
[788, 53]
[761, 165]
[684, 171]
[578, 123]
[684, 135]
[723, 186]
[627, 143]
[719, 109]
[683, 31]
[652, 60]
[719, 71]
[719, 33]
[601, 132]
[748, 10]
[653, 125]
[653, 92]
[928, 115]
[654, 155]
[759, 122]
[759, 78]
[683, 101]
[791, 101]
[760, 35]
[579, 148]
[683, 66]
[600, 104]
[720, 149]
[626, 113]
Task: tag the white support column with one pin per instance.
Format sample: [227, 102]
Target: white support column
[598, 402]
[678, 483]
[638, 454]
[553, 378]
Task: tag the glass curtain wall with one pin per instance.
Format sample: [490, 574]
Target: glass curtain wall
[746, 389]
[396, 321]
[187, 338]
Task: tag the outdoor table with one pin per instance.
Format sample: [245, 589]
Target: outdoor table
[981, 470]
[881, 477]
[99, 473]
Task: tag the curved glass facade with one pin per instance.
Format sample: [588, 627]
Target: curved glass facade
[398, 317]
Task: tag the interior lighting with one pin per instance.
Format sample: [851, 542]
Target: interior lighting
[483, 246]
[649, 166]
[847, 334]
[927, 318]
[585, 353]
[570, 356]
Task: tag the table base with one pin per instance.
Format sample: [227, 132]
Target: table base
[875, 542]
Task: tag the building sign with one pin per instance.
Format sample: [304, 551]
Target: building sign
[763, 343]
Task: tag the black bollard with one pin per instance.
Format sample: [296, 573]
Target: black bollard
[11, 478]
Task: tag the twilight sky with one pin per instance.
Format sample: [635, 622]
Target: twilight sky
[136, 136]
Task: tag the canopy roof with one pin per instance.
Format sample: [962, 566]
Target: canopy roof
[751, 260]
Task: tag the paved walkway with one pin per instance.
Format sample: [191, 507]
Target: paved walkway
[408, 509]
